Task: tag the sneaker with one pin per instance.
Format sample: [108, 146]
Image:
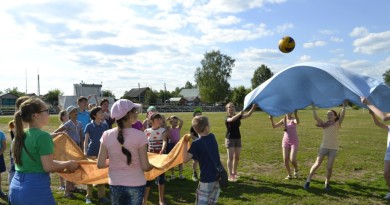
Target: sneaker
[181, 176]
[2, 195]
[307, 186]
[173, 177]
[327, 187]
[288, 177]
[296, 176]
[104, 200]
[232, 178]
[195, 177]
[88, 201]
[387, 197]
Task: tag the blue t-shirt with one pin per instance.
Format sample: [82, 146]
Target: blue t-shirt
[2, 137]
[84, 118]
[95, 132]
[205, 150]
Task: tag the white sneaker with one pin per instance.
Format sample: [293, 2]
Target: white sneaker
[387, 196]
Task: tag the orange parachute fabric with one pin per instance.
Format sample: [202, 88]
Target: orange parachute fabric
[88, 173]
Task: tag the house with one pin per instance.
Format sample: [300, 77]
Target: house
[137, 94]
[191, 96]
[177, 101]
[8, 99]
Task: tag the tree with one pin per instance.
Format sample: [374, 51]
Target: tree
[14, 91]
[188, 85]
[107, 93]
[260, 75]
[212, 77]
[386, 77]
[150, 97]
[238, 95]
[52, 96]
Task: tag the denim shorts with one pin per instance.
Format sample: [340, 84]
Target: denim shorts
[31, 188]
[126, 195]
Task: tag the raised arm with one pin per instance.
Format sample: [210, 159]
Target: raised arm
[296, 117]
[248, 114]
[319, 121]
[279, 124]
[342, 114]
[235, 117]
[383, 116]
[180, 122]
[376, 121]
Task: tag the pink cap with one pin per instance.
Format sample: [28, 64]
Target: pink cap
[121, 107]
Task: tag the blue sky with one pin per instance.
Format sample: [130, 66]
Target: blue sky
[123, 43]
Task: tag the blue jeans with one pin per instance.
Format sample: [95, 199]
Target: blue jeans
[126, 195]
[31, 188]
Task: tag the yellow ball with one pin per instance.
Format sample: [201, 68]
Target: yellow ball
[286, 44]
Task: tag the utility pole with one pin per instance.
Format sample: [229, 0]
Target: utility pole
[139, 93]
[39, 87]
[165, 90]
[25, 74]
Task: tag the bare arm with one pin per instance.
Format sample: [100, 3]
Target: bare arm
[342, 114]
[279, 124]
[383, 116]
[180, 122]
[248, 114]
[3, 146]
[51, 165]
[60, 129]
[165, 141]
[143, 155]
[235, 117]
[319, 121]
[296, 117]
[86, 143]
[376, 121]
[102, 157]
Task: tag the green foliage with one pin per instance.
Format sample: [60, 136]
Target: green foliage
[52, 96]
[107, 93]
[188, 85]
[212, 77]
[386, 77]
[14, 91]
[238, 95]
[150, 97]
[260, 75]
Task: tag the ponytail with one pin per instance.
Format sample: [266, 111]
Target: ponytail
[18, 142]
[121, 139]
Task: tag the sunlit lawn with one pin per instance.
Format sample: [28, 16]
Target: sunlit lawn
[357, 174]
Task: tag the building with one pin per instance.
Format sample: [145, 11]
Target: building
[191, 96]
[137, 94]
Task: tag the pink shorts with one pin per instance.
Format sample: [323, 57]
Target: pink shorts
[290, 145]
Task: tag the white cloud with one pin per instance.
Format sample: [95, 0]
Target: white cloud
[359, 32]
[314, 44]
[336, 39]
[304, 58]
[373, 43]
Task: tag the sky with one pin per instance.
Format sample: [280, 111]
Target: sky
[159, 44]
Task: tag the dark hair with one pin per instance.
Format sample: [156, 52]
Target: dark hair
[27, 109]
[21, 100]
[155, 116]
[81, 98]
[120, 138]
[94, 111]
[336, 115]
[62, 114]
[103, 101]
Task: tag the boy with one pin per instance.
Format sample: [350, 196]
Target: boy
[93, 132]
[205, 151]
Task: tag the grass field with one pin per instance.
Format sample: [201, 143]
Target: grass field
[357, 174]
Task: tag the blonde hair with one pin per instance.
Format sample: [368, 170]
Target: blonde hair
[199, 123]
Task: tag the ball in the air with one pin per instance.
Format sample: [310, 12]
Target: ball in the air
[286, 44]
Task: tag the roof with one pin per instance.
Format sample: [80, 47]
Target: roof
[135, 92]
[188, 93]
[177, 99]
[8, 96]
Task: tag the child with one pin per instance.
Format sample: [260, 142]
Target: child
[157, 137]
[104, 104]
[93, 132]
[149, 112]
[3, 145]
[11, 171]
[174, 137]
[63, 118]
[124, 151]
[329, 145]
[73, 128]
[33, 151]
[194, 136]
[205, 150]
[290, 141]
[384, 116]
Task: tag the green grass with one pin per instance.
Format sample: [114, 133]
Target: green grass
[357, 173]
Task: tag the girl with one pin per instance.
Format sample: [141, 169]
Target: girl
[157, 137]
[149, 112]
[174, 137]
[329, 145]
[104, 104]
[194, 136]
[233, 138]
[290, 141]
[33, 151]
[63, 118]
[384, 116]
[124, 151]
